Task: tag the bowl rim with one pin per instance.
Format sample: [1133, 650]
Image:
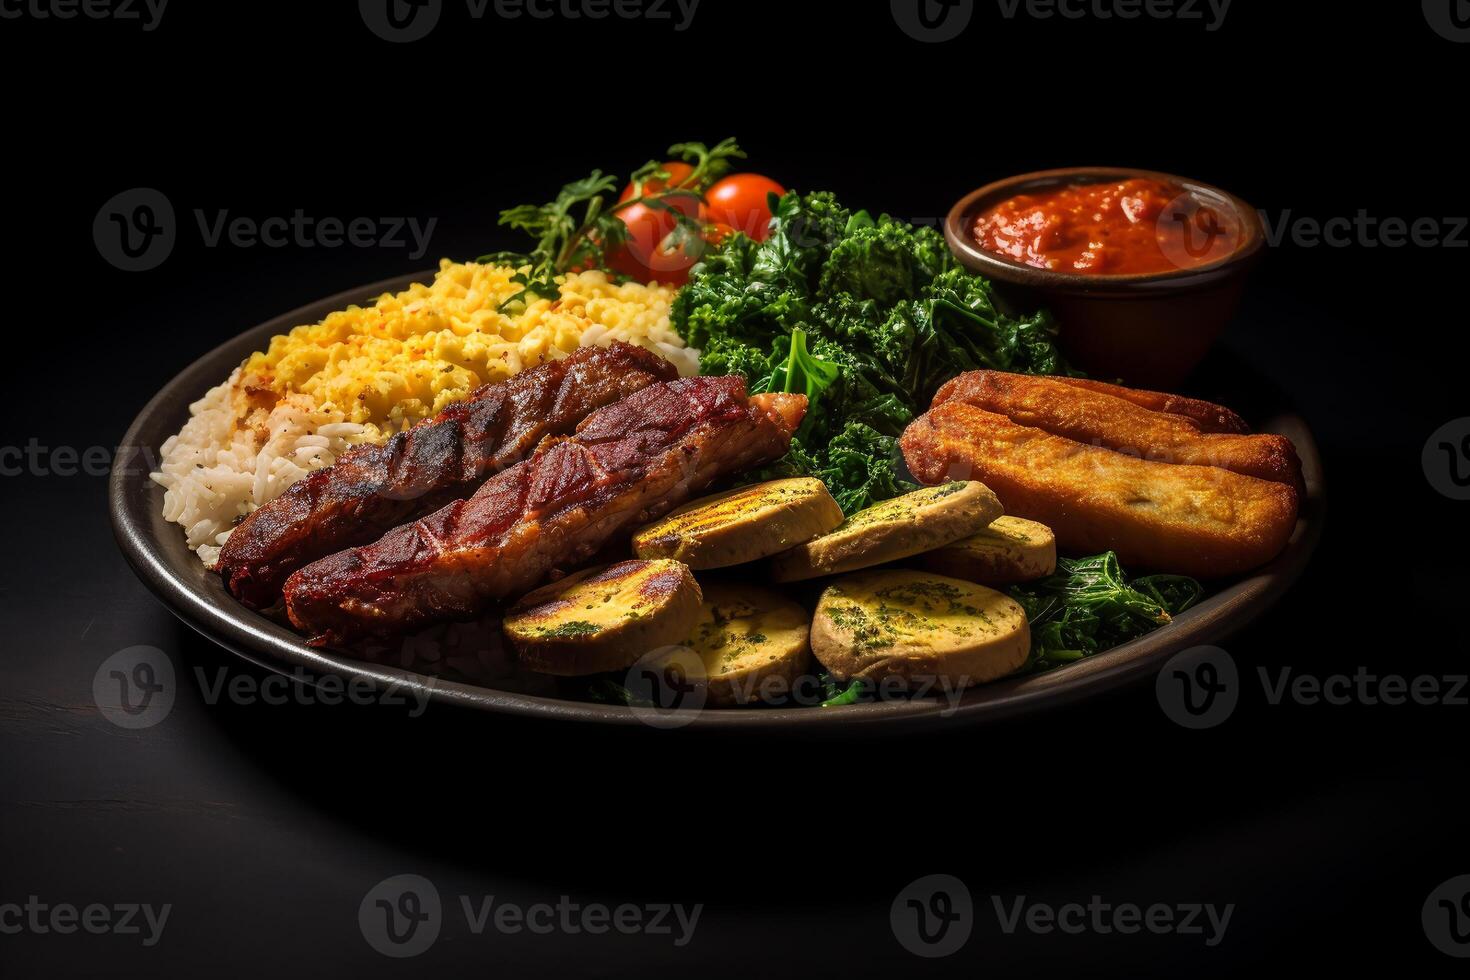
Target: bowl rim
[1009, 270]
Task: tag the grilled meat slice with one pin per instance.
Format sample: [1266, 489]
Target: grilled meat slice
[1195, 520]
[628, 464]
[1100, 418]
[374, 488]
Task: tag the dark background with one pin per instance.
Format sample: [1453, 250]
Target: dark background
[1326, 826]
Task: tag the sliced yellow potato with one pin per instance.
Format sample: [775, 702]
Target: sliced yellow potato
[899, 528]
[1010, 550]
[918, 626]
[753, 643]
[742, 525]
[604, 619]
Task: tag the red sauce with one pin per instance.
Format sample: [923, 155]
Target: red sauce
[1130, 227]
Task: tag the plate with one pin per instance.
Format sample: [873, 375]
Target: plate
[156, 550]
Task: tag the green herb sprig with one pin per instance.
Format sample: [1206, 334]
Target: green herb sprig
[579, 229]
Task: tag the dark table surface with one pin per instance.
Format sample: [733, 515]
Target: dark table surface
[264, 827]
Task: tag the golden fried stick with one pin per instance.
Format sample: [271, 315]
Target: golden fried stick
[1208, 416]
[1194, 520]
[1102, 419]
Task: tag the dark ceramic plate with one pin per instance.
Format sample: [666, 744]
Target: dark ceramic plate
[156, 550]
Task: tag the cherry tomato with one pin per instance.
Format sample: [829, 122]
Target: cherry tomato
[717, 232]
[740, 201]
[643, 256]
[664, 263]
[678, 173]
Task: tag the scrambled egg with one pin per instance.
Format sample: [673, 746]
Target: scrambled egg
[410, 355]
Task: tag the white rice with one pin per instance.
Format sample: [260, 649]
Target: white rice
[214, 472]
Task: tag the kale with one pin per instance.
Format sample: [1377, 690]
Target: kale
[1089, 605]
[886, 261]
[866, 317]
[723, 355]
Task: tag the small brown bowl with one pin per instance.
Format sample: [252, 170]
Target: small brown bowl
[1150, 329]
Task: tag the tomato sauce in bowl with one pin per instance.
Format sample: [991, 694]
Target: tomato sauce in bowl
[1135, 226]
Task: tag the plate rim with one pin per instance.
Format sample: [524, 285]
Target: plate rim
[132, 504]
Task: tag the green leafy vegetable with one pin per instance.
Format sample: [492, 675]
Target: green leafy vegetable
[865, 316]
[835, 695]
[800, 371]
[1089, 605]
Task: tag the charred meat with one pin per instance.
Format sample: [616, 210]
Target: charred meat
[628, 464]
[374, 488]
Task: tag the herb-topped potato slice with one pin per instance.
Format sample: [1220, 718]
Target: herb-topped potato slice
[753, 643]
[918, 626]
[604, 619]
[899, 528]
[1011, 550]
[742, 525]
